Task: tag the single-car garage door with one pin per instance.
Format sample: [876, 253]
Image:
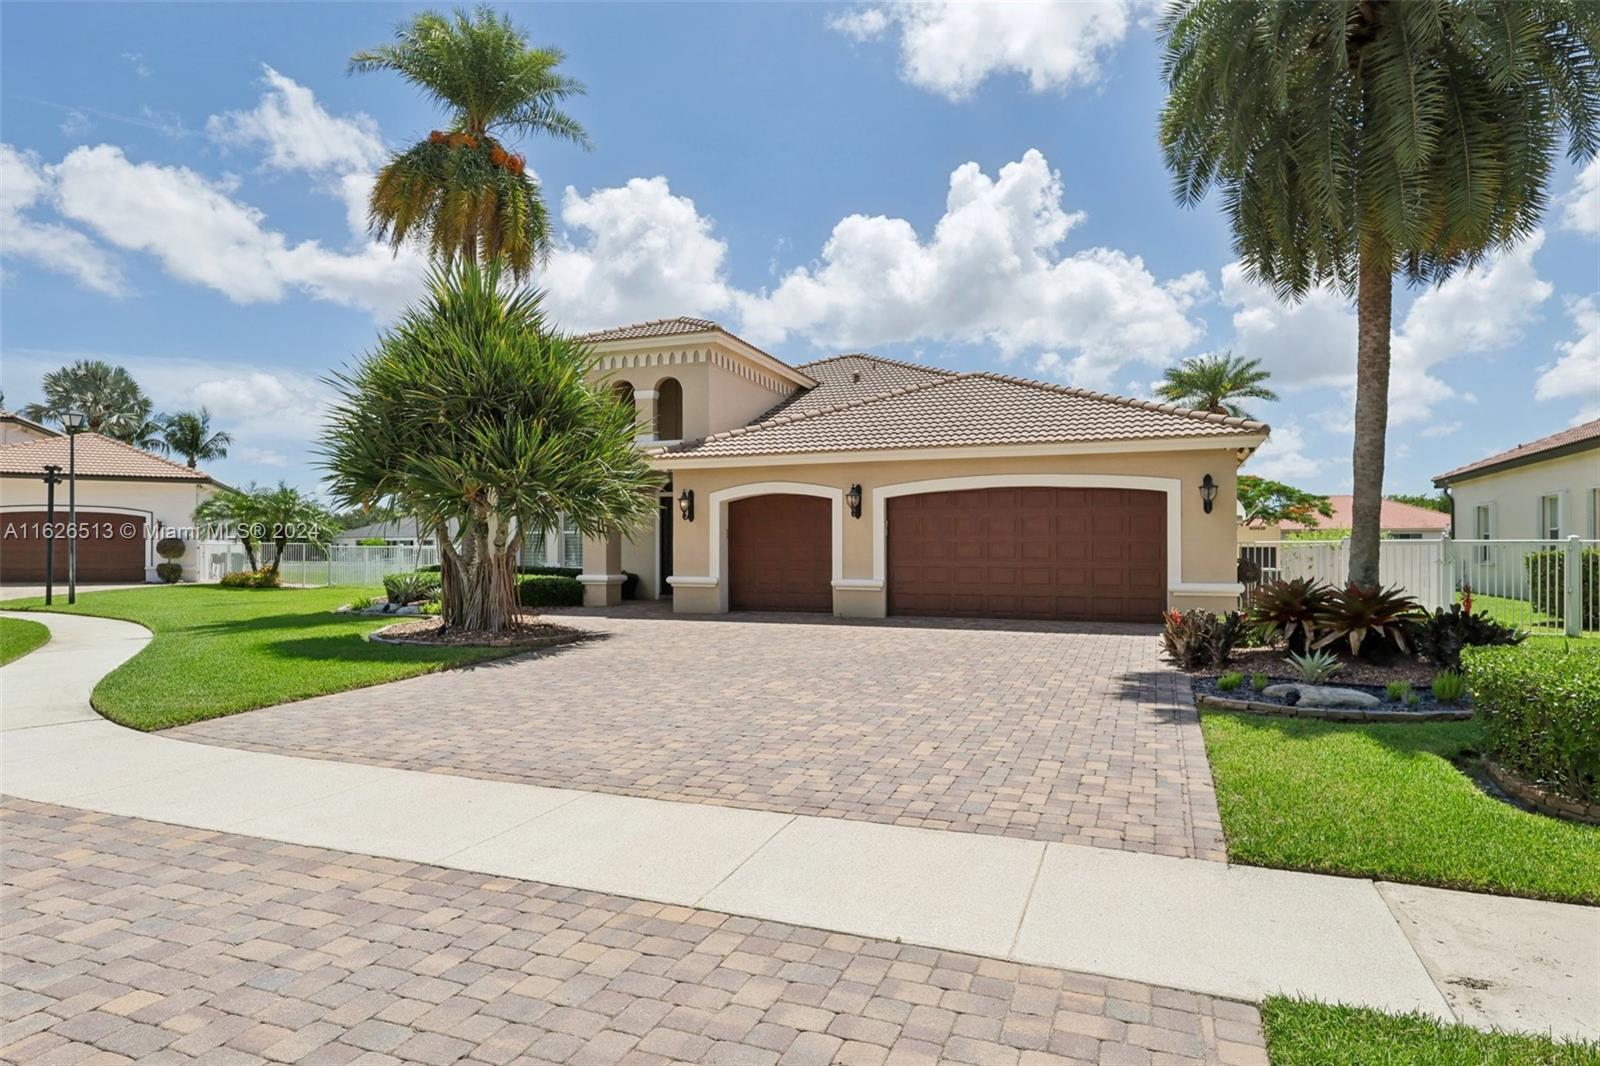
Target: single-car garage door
[780, 554]
[111, 548]
[1084, 554]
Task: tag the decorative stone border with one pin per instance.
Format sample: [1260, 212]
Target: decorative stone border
[1539, 799]
[1335, 714]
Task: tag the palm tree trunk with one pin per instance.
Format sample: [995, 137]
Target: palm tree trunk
[1374, 306]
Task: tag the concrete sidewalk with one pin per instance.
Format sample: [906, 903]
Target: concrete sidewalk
[1237, 932]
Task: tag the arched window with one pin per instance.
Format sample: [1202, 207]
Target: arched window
[623, 391]
[669, 409]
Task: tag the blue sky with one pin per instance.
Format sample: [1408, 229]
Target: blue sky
[976, 186]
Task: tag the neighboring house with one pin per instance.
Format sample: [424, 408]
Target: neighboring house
[1546, 489]
[401, 532]
[127, 499]
[14, 429]
[867, 486]
[1396, 521]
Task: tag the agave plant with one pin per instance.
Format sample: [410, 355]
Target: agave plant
[1356, 612]
[1289, 610]
[1315, 667]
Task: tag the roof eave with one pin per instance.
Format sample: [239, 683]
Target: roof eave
[669, 459]
[1469, 473]
[772, 364]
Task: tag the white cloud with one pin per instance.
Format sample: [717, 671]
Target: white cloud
[297, 134]
[77, 124]
[992, 272]
[1313, 343]
[642, 253]
[1577, 372]
[1581, 206]
[1283, 457]
[952, 48]
[24, 184]
[136, 61]
[202, 235]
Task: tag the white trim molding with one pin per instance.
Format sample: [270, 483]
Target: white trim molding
[718, 512]
[1169, 485]
[857, 584]
[686, 581]
[1207, 588]
[602, 579]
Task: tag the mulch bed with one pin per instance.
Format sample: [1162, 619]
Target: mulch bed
[1428, 708]
[1354, 674]
[530, 634]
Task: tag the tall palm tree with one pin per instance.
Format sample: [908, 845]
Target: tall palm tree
[1212, 382]
[188, 433]
[107, 395]
[1357, 138]
[462, 192]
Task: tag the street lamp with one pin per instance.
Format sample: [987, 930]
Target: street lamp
[74, 421]
[52, 478]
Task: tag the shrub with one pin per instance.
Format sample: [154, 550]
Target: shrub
[430, 609]
[1446, 632]
[1547, 585]
[1449, 687]
[411, 586]
[169, 572]
[1259, 682]
[1539, 707]
[1315, 667]
[372, 542]
[1368, 618]
[264, 578]
[171, 547]
[1288, 610]
[561, 571]
[1412, 699]
[1230, 681]
[1397, 690]
[549, 590]
[1196, 639]
[361, 603]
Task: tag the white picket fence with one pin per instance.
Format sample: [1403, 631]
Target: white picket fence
[309, 564]
[1541, 585]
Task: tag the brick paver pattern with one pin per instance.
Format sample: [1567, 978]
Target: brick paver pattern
[126, 940]
[1035, 730]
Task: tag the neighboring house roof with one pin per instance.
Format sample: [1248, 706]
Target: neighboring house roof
[1392, 515]
[398, 529]
[957, 410]
[98, 456]
[1576, 439]
[28, 423]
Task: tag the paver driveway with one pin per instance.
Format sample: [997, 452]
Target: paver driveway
[1042, 731]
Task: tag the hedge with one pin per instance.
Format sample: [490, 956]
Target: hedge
[561, 571]
[550, 590]
[265, 578]
[1547, 587]
[1539, 706]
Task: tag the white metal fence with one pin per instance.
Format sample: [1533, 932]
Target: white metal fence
[309, 564]
[1550, 586]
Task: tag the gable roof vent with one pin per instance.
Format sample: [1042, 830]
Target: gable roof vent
[855, 376]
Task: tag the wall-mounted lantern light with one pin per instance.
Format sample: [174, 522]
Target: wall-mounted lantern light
[686, 504]
[853, 498]
[1208, 492]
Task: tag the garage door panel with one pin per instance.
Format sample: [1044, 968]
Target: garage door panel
[113, 550]
[780, 553]
[1053, 553]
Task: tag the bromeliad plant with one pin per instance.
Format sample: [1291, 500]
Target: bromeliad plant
[1288, 610]
[1197, 639]
[1368, 618]
[476, 416]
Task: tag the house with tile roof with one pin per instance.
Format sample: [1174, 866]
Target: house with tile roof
[866, 487]
[127, 500]
[1546, 489]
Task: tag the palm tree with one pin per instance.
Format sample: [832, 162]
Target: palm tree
[477, 418]
[188, 433]
[1211, 382]
[1356, 138]
[232, 514]
[463, 192]
[285, 513]
[107, 395]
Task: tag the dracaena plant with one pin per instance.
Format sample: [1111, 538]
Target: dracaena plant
[1356, 614]
[1288, 610]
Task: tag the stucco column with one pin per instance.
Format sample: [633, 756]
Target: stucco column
[602, 575]
[644, 403]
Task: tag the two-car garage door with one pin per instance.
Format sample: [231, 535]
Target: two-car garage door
[111, 548]
[1088, 554]
[1018, 552]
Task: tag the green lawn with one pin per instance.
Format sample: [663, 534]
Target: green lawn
[18, 637]
[1301, 1033]
[219, 651]
[1385, 801]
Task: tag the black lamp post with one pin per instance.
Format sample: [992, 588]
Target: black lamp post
[1208, 492]
[52, 478]
[74, 421]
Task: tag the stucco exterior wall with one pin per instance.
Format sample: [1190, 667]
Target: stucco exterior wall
[164, 505]
[17, 433]
[1513, 498]
[1203, 548]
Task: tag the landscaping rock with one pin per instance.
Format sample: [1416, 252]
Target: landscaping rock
[1321, 696]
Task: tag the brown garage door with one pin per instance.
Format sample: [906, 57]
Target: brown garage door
[112, 547]
[780, 554]
[1088, 554]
